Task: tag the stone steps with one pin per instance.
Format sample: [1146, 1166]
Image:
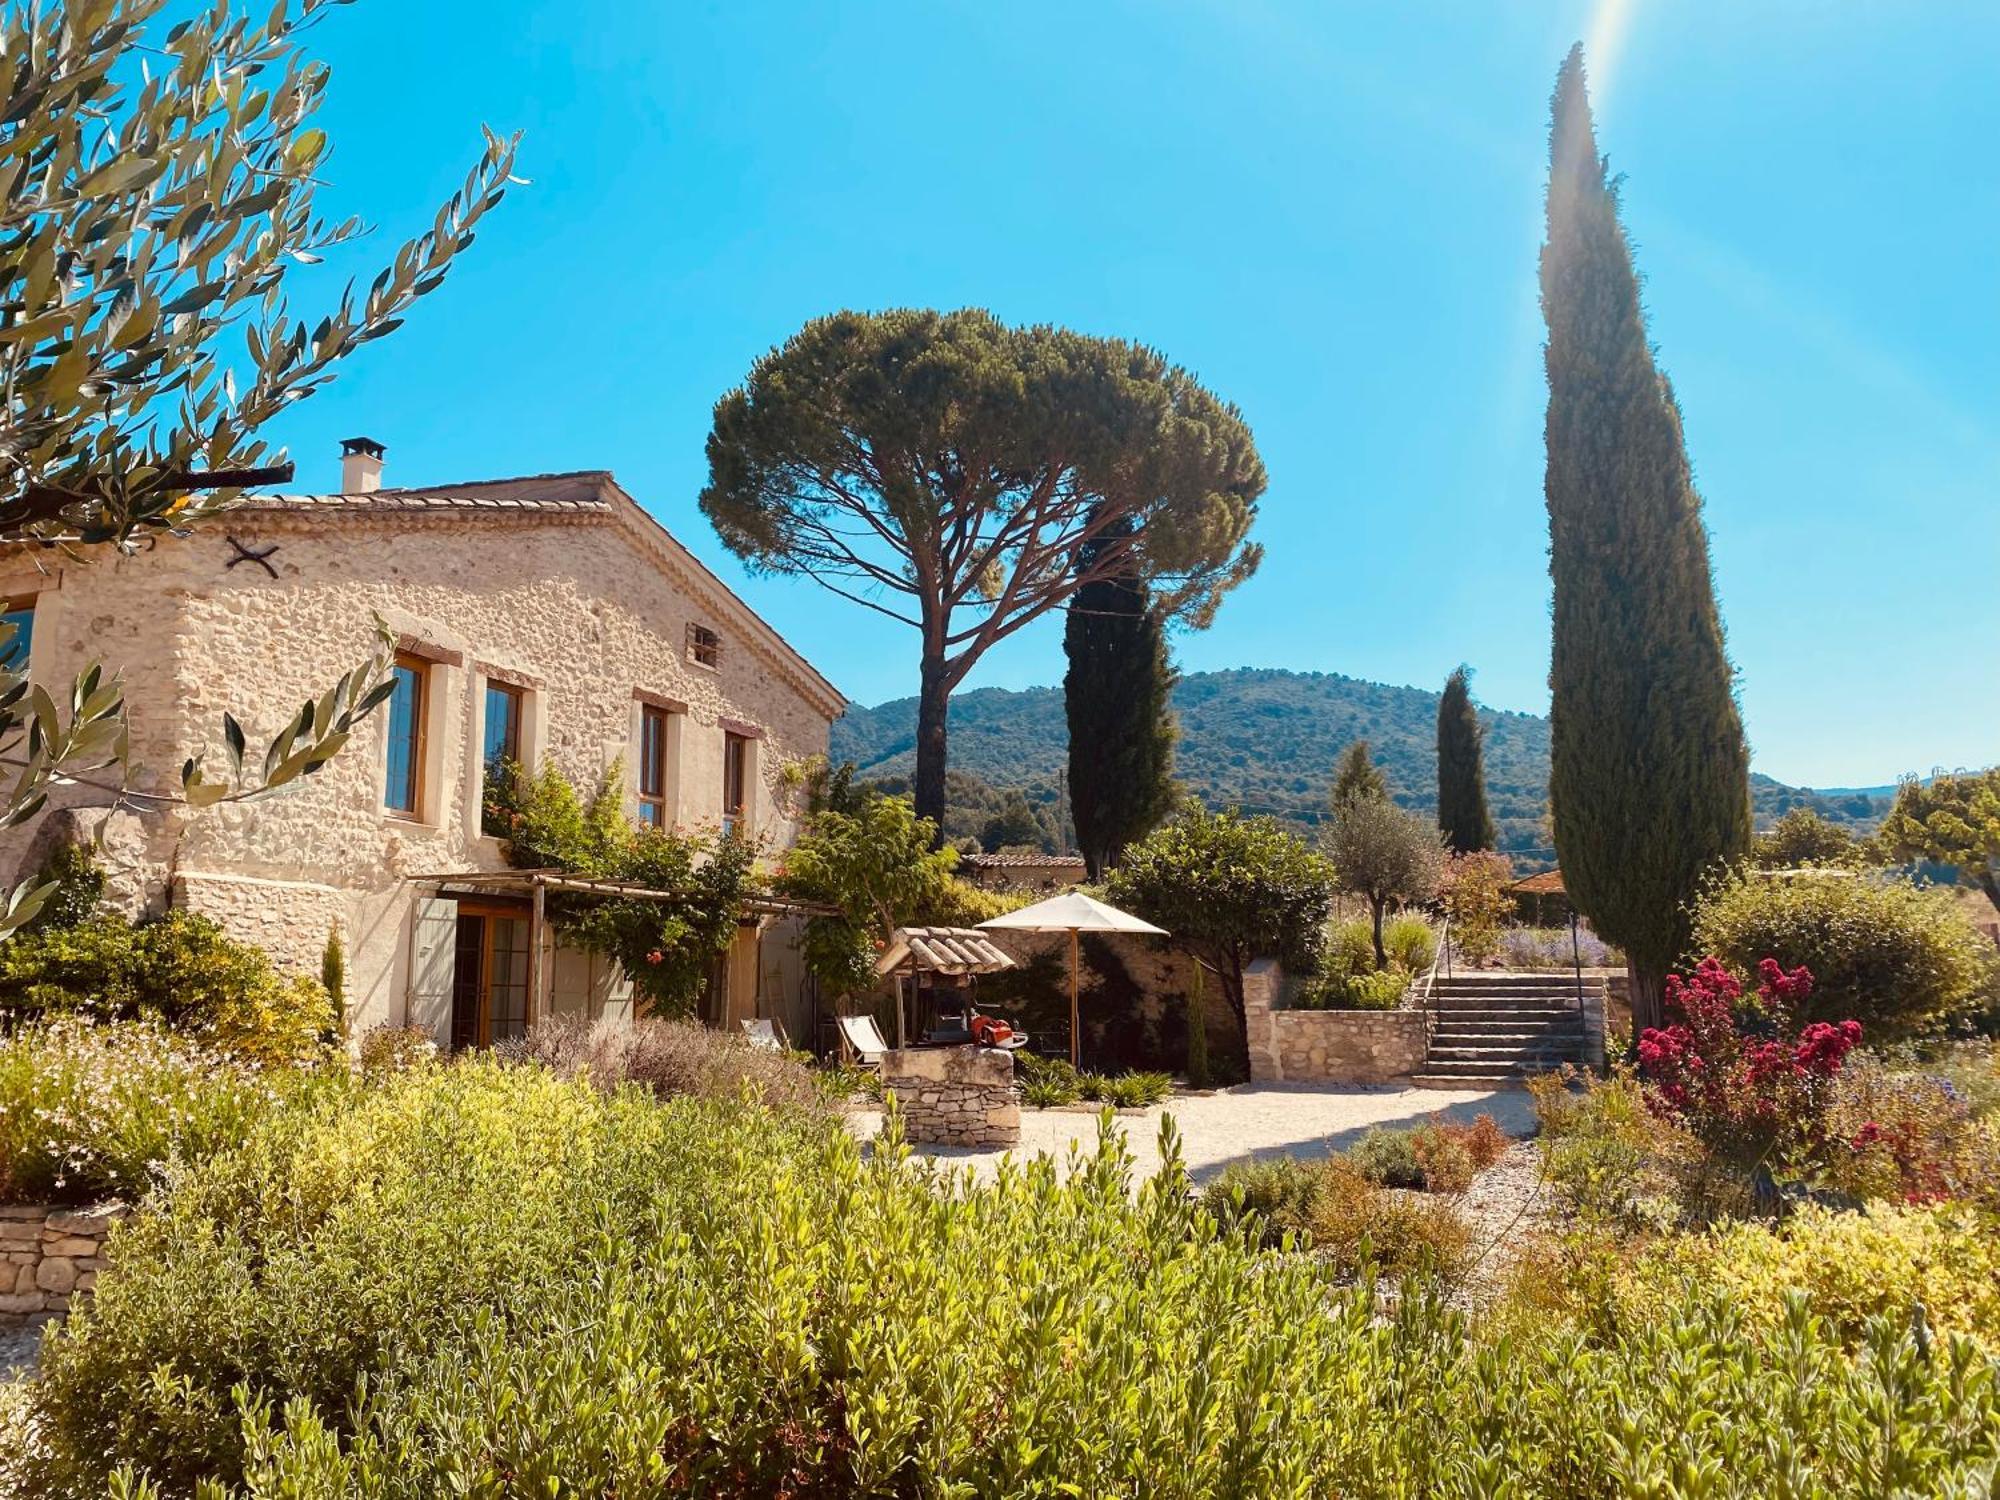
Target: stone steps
[1494, 1029]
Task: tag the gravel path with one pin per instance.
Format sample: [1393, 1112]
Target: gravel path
[19, 1348]
[1241, 1124]
[1506, 1203]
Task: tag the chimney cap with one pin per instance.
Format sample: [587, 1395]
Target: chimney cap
[367, 445]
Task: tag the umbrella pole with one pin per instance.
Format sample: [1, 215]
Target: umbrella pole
[1075, 1040]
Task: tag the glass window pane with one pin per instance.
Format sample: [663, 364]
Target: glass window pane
[406, 717]
[652, 753]
[14, 652]
[507, 987]
[503, 723]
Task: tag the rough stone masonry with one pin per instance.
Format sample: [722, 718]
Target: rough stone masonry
[49, 1257]
[955, 1096]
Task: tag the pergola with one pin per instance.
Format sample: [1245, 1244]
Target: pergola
[536, 884]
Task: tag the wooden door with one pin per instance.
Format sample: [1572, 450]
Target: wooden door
[489, 992]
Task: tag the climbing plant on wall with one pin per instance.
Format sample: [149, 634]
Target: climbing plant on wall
[666, 946]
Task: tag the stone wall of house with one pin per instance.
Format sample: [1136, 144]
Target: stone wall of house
[586, 610]
[1133, 999]
[955, 1096]
[49, 1257]
[1326, 1046]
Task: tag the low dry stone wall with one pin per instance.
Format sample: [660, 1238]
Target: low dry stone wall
[1348, 1046]
[955, 1096]
[49, 1257]
[1326, 1046]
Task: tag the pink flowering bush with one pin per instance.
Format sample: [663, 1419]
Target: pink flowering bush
[1737, 1074]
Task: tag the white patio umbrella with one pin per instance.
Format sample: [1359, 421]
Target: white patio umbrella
[1074, 913]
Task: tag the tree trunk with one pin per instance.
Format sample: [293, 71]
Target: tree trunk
[1230, 973]
[1989, 884]
[933, 702]
[1381, 953]
[1649, 998]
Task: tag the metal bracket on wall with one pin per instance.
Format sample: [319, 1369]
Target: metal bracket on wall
[259, 556]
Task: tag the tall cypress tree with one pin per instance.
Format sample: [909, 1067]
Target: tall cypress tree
[1357, 776]
[1463, 816]
[1121, 722]
[1649, 774]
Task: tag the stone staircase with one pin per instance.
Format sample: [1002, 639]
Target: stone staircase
[1492, 1029]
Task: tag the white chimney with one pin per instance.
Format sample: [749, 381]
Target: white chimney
[360, 465]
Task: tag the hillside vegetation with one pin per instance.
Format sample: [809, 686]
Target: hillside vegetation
[1265, 740]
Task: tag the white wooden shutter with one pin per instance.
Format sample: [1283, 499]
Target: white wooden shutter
[433, 958]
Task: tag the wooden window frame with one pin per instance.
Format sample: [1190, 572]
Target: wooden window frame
[420, 713]
[653, 716]
[516, 695]
[490, 913]
[736, 750]
[704, 646]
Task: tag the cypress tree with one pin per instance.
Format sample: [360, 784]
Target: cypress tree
[1357, 776]
[1649, 774]
[1117, 696]
[1463, 816]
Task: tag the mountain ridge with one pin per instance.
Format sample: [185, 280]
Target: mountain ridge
[1265, 739]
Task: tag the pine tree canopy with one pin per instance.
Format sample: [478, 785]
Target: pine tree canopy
[1463, 816]
[1649, 773]
[1121, 724]
[949, 471]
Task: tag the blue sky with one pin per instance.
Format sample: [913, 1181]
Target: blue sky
[1331, 213]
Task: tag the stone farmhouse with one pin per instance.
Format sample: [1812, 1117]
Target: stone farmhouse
[540, 617]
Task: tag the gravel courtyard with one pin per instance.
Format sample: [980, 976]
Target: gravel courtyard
[1243, 1123]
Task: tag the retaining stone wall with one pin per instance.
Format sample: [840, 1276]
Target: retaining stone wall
[49, 1256]
[955, 1096]
[1326, 1046]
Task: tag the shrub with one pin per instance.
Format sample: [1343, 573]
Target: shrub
[181, 969]
[1474, 896]
[1034, 1068]
[1137, 1090]
[78, 878]
[1411, 942]
[397, 1049]
[1388, 1157]
[1484, 1139]
[1610, 1158]
[1802, 837]
[1848, 1269]
[1907, 1135]
[670, 1058]
[1551, 948]
[1898, 958]
[485, 1280]
[1269, 1194]
[1757, 1102]
[1853, 1267]
[1347, 977]
[1359, 1226]
[1438, 1156]
[840, 1081]
[333, 979]
[90, 1111]
[1349, 947]
[1042, 1093]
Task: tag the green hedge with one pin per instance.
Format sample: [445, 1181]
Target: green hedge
[181, 969]
[485, 1281]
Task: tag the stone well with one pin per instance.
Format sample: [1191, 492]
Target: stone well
[955, 1096]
